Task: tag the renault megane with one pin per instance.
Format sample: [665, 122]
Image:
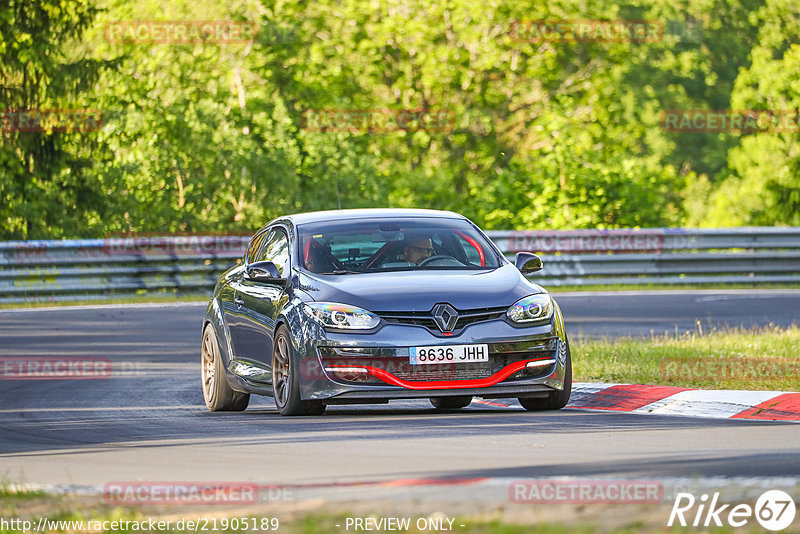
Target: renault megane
[365, 306]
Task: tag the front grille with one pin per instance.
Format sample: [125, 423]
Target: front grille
[425, 319]
[396, 362]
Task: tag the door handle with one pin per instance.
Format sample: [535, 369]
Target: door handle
[238, 301]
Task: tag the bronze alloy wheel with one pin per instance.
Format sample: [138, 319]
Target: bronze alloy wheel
[219, 396]
[285, 383]
[281, 378]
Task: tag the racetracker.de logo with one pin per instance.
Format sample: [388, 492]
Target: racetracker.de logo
[206, 493]
[51, 120]
[180, 32]
[586, 491]
[51, 368]
[360, 372]
[176, 245]
[730, 121]
[587, 31]
[588, 241]
[358, 121]
[729, 368]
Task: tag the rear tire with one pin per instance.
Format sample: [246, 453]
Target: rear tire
[451, 403]
[555, 399]
[285, 380]
[219, 396]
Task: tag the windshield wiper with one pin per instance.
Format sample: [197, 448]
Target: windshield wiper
[343, 271]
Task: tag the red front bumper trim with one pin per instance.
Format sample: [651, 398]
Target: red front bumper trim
[496, 378]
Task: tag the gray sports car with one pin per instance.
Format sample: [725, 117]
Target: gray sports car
[365, 306]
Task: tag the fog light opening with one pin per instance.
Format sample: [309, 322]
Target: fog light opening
[540, 363]
[346, 370]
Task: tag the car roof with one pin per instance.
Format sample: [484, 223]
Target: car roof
[370, 213]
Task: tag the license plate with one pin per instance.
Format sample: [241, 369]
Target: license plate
[449, 354]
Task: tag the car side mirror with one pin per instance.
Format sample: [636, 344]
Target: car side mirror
[264, 271]
[527, 262]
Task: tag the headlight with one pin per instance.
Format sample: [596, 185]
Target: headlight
[334, 315]
[534, 308]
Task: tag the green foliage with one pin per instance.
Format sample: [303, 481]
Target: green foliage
[765, 186]
[44, 183]
[210, 136]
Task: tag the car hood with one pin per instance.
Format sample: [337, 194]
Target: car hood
[420, 290]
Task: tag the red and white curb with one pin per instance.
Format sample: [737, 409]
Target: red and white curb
[669, 400]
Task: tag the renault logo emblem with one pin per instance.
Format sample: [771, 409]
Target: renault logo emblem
[445, 316]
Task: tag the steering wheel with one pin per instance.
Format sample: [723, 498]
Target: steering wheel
[440, 257]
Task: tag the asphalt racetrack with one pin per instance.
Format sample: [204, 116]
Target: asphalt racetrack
[147, 421]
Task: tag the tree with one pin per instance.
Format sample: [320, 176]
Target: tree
[44, 182]
[764, 188]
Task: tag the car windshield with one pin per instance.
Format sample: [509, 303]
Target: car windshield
[371, 245]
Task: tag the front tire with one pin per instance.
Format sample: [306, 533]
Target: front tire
[556, 399]
[219, 396]
[451, 403]
[285, 380]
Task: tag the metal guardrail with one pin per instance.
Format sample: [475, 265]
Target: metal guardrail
[95, 269]
[660, 255]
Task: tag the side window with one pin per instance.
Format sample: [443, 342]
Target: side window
[276, 250]
[255, 244]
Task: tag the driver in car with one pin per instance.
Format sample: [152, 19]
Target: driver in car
[319, 259]
[417, 249]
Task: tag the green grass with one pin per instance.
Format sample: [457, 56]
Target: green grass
[756, 359]
[15, 492]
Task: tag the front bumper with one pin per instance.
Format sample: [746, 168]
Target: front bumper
[332, 365]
